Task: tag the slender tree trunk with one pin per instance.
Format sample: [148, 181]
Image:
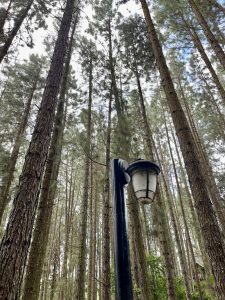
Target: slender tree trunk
[194, 217]
[17, 24]
[164, 233]
[180, 247]
[208, 33]
[206, 167]
[91, 274]
[147, 229]
[184, 217]
[10, 168]
[68, 224]
[208, 223]
[81, 272]
[16, 239]
[145, 280]
[46, 203]
[106, 213]
[94, 260]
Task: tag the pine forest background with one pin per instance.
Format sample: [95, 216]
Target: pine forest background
[82, 82]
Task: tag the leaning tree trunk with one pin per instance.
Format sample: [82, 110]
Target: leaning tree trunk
[11, 164]
[46, 202]
[208, 223]
[16, 239]
[18, 22]
[208, 33]
[81, 268]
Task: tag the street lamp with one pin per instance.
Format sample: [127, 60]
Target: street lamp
[143, 175]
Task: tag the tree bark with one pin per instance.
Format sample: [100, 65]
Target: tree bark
[16, 239]
[81, 268]
[106, 213]
[208, 223]
[46, 202]
[208, 33]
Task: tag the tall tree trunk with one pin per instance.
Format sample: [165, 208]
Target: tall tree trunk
[81, 268]
[94, 253]
[17, 24]
[206, 167]
[175, 225]
[106, 213]
[184, 216]
[208, 223]
[46, 202]
[163, 227]
[16, 239]
[11, 164]
[90, 259]
[69, 206]
[208, 33]
[145, 280]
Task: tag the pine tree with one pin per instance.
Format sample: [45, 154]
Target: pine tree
[47, 196]
[209, 226]
[14, 245]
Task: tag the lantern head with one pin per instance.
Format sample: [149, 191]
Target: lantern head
[144, 175]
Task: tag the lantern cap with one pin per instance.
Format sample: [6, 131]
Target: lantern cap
[142, 164]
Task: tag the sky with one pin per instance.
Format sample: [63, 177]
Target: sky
[86, 15]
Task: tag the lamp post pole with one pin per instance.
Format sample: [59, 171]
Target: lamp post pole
[121, 244]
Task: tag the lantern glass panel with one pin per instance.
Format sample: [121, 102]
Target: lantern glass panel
[144, 184]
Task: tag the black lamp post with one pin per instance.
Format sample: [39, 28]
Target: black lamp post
[143, 175]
